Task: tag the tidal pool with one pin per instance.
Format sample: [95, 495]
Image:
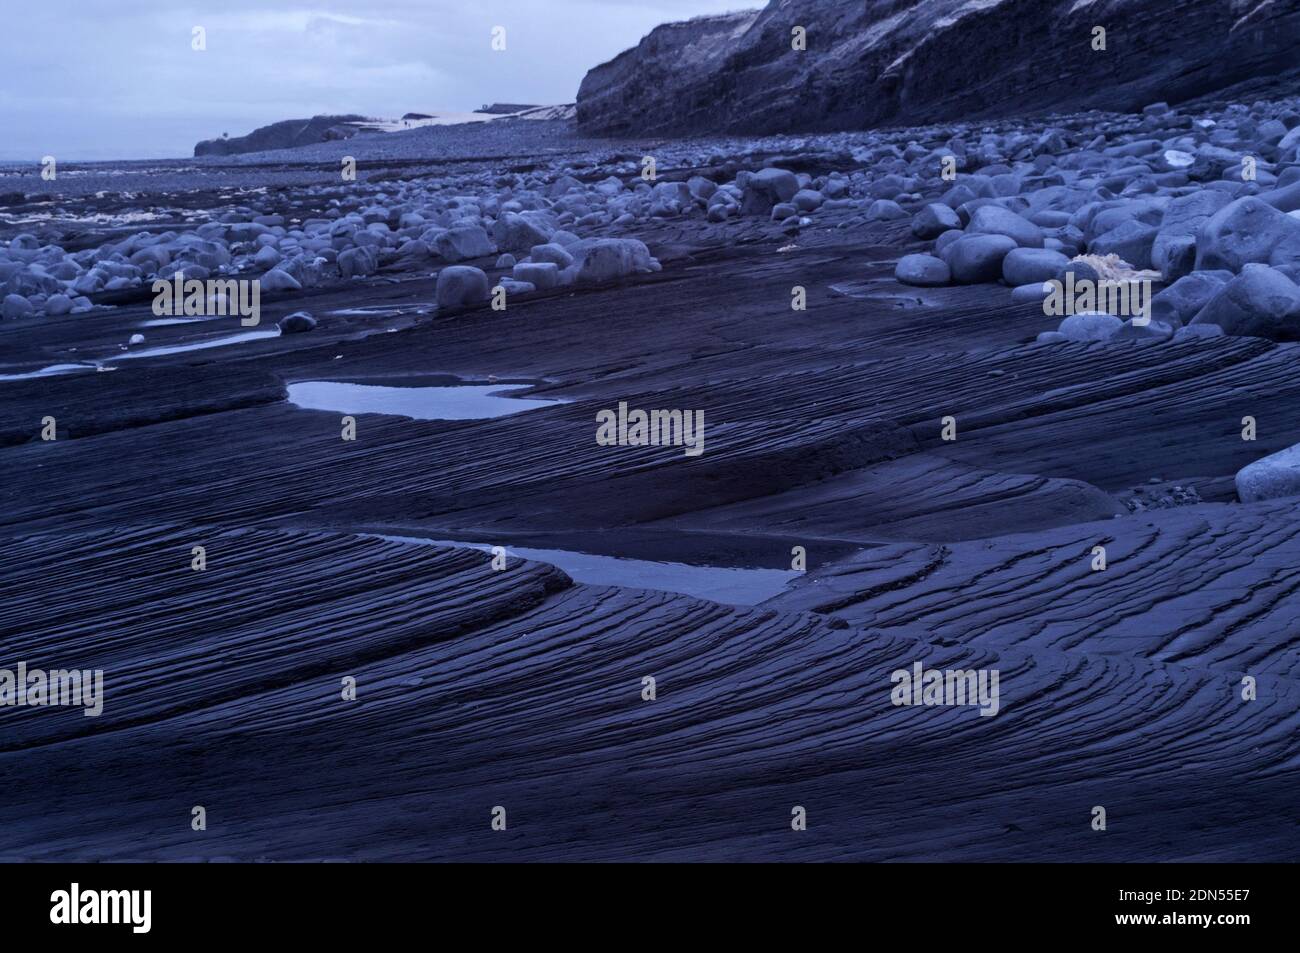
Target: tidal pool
[730, 585]
[459, 402]
[196, 345]
[51, 371]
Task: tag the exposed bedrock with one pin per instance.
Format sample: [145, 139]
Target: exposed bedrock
[521, 688]
[918, 61]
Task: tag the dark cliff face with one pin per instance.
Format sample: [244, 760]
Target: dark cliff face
[920, 61]
[288, 134]
[663, 81]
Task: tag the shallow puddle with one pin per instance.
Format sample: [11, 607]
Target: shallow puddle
[196, 345]
[460, 402]
[51, 371]
[382, 310]
[169, 322]
[729, 585]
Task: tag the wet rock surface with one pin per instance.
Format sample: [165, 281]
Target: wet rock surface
[827, 429]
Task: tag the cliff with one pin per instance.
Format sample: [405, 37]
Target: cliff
[287, 134]
[921, 61]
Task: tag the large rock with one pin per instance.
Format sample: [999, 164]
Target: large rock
[1182, 300]
[358, 262]
[996, 220]
[924, 271]
[539, 274]
[1259, 302]
[1033, 293]
[766, 188]
[885, 210]
[1090, 326]
[1183, 219]
[16, 306]
[520, 231]
[1286, 253]
[279, 280]
[1024, 266]
[556, 254]
[1131, 241]
[1285, 199]
[1270, 477]
[1247, 230]
[267, 257]
[464, 243]
[1179, 258]
[605, 259]
[913, 62]
[460, 285]
[58, 304]
[974, 259]
[1133, 330]
[933, 220]
[299, 322]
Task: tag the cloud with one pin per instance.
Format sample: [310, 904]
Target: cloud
[123, 80]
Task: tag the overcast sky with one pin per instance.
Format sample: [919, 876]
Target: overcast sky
[100, 79]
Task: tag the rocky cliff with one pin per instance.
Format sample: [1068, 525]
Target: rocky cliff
[919, 61]
[283, 135]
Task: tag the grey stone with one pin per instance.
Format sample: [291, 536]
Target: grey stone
[1024, 266]
[1151, 330]
[464, 243]
[1183, 218]
[358, 262]
[57, 304]
[540, 274]
[933, 220]
[946, 239]
[605, 259]
[1198, 331]
[807, 200]
[1259, 302]
[1179, 258]
[1032, 293]
[1241, 232]
[267, 257]
[767, 187]
[517, 231]
[885, 210]
[512, 287]
[922, 270]
[977, 258]
[297, 323]
[1131, 241]
[552, 252]
[995, 220]
[461, 285]
[1270, 477]
[16, 306]
[278, 280]
[1090, 326]
[1180, 302]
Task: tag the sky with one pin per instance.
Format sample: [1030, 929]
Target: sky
[114, 79]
